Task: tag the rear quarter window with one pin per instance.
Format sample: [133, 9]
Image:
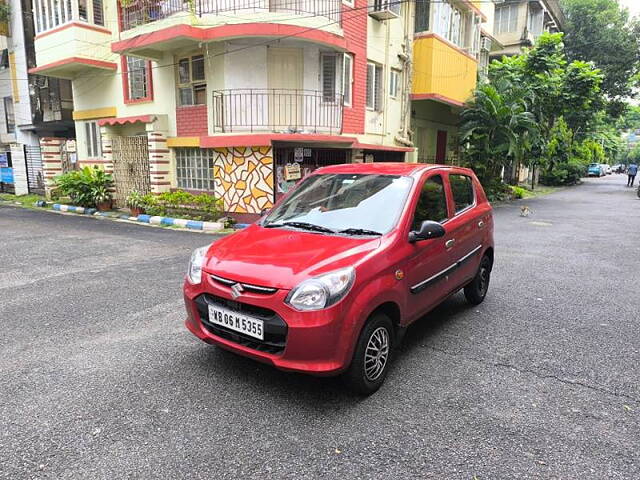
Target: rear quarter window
[462, 190]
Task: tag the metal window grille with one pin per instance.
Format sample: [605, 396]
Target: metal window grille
[192, 88]
[9, 115]
[93, 140]
[137, 78]
[194, 168]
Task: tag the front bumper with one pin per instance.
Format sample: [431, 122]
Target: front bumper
[318, 342]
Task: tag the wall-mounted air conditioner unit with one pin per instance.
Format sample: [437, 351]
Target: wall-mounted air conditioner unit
[384, 9]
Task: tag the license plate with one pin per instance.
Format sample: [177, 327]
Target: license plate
[236, 321]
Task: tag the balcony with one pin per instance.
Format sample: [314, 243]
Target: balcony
[78, 25]
[447, 73]
[276, 110]
[143, 12]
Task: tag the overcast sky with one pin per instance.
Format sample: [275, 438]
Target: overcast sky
[632, 5]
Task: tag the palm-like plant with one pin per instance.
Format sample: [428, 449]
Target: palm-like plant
[497, 127]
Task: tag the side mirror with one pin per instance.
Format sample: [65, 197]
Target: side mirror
[428, 230]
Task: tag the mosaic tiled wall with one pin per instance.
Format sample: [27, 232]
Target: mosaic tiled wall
[244, 178]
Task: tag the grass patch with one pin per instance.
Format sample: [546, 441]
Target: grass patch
[23, 200]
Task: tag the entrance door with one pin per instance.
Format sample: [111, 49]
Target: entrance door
[441, 146]
[285, 81]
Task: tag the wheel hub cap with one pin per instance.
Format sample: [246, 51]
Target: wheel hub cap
[376, 354]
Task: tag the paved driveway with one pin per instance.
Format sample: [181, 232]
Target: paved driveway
[99, 379]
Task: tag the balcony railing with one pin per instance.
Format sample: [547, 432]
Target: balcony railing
[141, 12]
[276, 110]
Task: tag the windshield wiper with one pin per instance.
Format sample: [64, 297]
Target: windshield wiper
[359, 231]
[301, 225]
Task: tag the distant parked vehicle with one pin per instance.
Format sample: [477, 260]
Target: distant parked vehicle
[618, 168]
[607, 169]
[595, 170]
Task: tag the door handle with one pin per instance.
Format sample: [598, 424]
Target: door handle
[450, 243]
[480, 224]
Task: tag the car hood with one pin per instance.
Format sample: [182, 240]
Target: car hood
[282, 258]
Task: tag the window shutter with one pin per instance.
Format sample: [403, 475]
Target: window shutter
[328, 77]
[346, 79]
[378, 89]
[370, 94]
[87, 131]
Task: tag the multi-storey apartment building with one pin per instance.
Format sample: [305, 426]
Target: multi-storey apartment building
[32, 107]
[518, 23]
[452, 39]
[234, 97]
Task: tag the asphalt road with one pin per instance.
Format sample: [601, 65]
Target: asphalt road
[100, 380]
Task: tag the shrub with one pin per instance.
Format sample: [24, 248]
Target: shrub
[518, 192]
[85, 187]
[181, 203]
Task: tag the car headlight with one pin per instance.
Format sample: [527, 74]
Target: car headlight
[322, 291]
[194, 274]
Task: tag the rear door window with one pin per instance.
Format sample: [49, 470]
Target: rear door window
[432, 204]
[462, 190]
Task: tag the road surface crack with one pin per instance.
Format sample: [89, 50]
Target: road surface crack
[538, 374]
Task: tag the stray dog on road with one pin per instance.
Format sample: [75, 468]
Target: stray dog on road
[525, 211]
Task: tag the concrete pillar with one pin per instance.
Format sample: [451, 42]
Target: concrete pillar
[51, 149]
[19, 169]
[159, 158]
[106, 134]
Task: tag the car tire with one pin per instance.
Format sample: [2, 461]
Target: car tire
[476, 290]
[365, 375]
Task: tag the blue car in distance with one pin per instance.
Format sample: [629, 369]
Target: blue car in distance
[595, 170]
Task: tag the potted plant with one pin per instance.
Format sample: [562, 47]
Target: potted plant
[102, 198]
[136, 203]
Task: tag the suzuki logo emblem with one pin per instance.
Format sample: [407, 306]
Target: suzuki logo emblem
[236, 290]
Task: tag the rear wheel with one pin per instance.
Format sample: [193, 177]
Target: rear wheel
[475, 291]
[371, 357]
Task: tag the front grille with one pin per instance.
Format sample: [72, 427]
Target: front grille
[275, 328]
[245, 286]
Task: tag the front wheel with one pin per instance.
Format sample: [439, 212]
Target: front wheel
[371, 357]
[475, 291]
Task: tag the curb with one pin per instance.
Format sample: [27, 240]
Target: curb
[211, 227]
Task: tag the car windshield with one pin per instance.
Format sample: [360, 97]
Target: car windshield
[357, 204]
[593, 165]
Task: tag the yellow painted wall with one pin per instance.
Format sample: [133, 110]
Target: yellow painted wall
[439, 68]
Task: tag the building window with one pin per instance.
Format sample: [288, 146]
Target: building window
[136, 79]
[394, 83]
[93, 139]
[506, 18]
[336, 77]
[49, 14]
[535, 22]
[192, 88]
[329, 63]
[9, 116]
[194, 168]
[374, 86]
[451, 23]
[422, 15]
[347, 78]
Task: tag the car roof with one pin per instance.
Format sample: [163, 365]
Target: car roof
[382, 168]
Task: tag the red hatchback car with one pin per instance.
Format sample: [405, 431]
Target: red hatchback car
[329, 279]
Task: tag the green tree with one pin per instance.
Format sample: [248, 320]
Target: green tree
[497, 128]
[601, 31]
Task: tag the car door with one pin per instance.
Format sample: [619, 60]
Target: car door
[426, 264]
[465, 239]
